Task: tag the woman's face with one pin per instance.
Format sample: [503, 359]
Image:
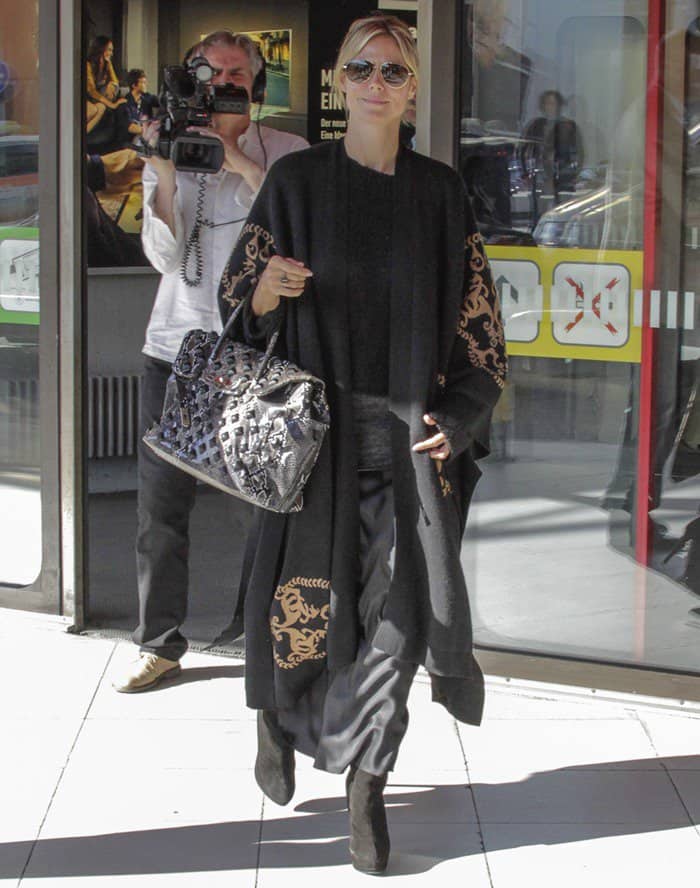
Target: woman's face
[108, 51]
[373, 101]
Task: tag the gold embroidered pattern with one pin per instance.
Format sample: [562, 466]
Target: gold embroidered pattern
[303, 626]
[441, 380]
[445, 485]
[480, 322]
[259, 246]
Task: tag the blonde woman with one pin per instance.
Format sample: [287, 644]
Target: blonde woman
[357, 249]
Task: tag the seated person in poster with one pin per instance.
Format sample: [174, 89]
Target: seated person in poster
[140, 104]
[191, 222]
[106, 122]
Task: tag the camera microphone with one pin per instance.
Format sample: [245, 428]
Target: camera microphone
[179, 81]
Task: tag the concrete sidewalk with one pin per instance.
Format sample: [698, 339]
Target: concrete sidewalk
[104, 789]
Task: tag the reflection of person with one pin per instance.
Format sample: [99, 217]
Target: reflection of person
[140, 104]
[494, 82]
[190, 222]
[357, 248]
[553, 146]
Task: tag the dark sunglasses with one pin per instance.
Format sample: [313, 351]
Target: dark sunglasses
[360, 71]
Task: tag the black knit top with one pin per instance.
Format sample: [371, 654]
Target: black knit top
[369, 227]
[370, 209]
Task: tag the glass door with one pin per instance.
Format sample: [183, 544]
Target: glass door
[584, 539]
[28, 469]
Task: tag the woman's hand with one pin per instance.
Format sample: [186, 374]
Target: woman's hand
[282, 277]
[436, 446]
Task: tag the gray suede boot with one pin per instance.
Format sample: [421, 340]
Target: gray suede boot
[274, 764]
[369, 833]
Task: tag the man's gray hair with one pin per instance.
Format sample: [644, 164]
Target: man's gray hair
[241, 41]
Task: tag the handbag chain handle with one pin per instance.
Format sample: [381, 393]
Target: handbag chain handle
[229, 326]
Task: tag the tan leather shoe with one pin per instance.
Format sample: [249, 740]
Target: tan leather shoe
[145, 673]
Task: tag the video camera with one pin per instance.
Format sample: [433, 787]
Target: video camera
[189, 99]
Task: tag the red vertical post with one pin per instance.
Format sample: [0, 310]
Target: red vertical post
[652, 183]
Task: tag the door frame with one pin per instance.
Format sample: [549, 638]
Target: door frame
[44, 594]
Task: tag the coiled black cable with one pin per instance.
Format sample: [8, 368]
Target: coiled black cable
[193, 245]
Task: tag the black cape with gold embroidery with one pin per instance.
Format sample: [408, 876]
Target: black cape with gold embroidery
[447, 356]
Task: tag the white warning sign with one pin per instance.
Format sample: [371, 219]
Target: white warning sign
[19, 275]
[520, 291]
[590, 304]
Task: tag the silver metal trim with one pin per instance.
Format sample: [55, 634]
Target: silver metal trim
[437, 93]
[613, 678]
[71, 289]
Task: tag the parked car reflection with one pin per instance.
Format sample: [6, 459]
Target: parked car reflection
[19, 179]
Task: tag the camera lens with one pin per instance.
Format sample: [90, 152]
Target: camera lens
[193, 153]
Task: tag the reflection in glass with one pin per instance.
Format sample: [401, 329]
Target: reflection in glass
[552, 149]
[20, 511]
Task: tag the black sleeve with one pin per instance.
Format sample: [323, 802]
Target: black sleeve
[258, 330]
[252, 251]
[476, 370]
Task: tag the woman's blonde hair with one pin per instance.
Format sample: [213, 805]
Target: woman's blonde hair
[361, 31]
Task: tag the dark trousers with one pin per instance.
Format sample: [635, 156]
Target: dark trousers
[165, 500]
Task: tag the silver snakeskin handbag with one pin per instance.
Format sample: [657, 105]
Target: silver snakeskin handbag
[244, 421]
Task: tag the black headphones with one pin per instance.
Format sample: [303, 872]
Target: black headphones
[260, 83]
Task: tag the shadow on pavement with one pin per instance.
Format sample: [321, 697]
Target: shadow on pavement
[424, 836]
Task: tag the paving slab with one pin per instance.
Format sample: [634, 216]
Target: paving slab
[50, 675]
[553, 855]
[184, 822]
[676, 739]
[687, 784]
[551, 745]
[641, 798]
[138, 746]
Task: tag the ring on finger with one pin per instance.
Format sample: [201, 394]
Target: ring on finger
[284, 279]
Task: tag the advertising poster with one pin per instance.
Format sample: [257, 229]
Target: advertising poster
[276, 49]
[328, 22]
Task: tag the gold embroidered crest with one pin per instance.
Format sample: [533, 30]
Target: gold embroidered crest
[259, 245]
[445, 485]
[480, 322]
[299, 632]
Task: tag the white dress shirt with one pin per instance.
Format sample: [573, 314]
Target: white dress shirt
[227, 198]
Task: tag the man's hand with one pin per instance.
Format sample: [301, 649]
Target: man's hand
[282, 277]
[436, 446]
[235, 161]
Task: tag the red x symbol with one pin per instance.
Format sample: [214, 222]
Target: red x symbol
[596, 304]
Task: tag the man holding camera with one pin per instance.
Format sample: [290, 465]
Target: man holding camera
[191, 221]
